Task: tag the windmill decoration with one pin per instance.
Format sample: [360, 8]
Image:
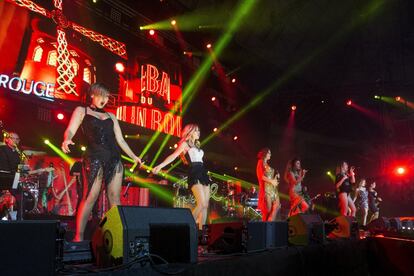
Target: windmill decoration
[64, 69]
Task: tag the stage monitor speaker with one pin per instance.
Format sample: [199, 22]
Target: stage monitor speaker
[128, 232]
[306, 229]
[395, 224]
[30, 247]
[345, 227]
[225, 237]
[266, 235]
[379, 225]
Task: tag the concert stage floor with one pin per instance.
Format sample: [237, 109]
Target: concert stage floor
[370, 256]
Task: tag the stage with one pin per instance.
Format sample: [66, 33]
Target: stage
[369, 256]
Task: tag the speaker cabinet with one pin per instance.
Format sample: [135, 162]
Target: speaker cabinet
[345, 227]
[306, 229]
[266, 235]
[30, 247]
[225, 237]
[127, 232]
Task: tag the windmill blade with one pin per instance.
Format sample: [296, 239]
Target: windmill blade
[31, 6]
[112, 45]
[65, 75]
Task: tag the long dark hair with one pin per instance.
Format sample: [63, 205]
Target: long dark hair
[289, 167]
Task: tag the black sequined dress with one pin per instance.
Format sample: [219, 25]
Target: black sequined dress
[102, 150]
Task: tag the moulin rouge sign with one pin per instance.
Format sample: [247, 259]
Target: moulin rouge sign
[150, 99]
[155, 99]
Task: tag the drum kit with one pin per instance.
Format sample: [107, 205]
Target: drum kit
[30, 184]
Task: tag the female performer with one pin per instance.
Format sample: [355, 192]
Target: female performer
[102, 160]
[269, 202]
[198, 180]
[361, 200]
[373, 200]
[294, 176]
[344, 179]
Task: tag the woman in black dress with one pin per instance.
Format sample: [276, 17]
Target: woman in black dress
[198, 180]
[102, 159]
[373, 201]
[345, 177]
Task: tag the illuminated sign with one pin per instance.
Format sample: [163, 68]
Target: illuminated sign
[38, 88]
[153, 97]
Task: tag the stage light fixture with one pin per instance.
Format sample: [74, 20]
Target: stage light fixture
[235, 138]
[46, 141]
[83, 148]
[60, 116]
[236, 168]
[151, 32]
[173, 22]
[400, 170]
[233, 80]
[349, 102]
[213, 99]
[398, 98]
[119, 67]
[215, 129]
[175, 146]
[293, 107]
[328, 173]
[208, 45]
[377, 97]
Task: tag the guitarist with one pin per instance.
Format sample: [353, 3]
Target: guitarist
[309, 200]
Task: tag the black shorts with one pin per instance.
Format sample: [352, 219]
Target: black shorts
[197, 174]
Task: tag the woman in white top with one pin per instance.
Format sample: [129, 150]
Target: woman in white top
[198, 180]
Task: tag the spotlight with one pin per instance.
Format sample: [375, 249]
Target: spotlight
[173, 22]
[293, 107]
[94, 1]
[126, 135]
[398, 98]
[208, 45]
[328, 173]
[377, 97]
[349, 102]
[322, 101]
[60, 116]
[175, 146]
[236, 168]
[213, 99]
[400, 170]
[233, 80]
[83, 148]
[119, 67]
[141, 27]
[215, 129]
[235, 138]
[46, 141]
[151, 32]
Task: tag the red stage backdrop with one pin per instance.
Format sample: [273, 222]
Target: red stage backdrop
[38, 57]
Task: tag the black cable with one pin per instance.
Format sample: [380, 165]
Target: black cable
[112, 268]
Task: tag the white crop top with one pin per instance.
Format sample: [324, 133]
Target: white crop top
[195, 154]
